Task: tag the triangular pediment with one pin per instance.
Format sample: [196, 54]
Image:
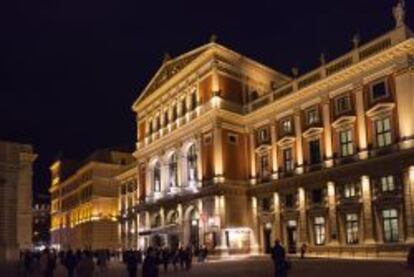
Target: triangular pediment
[170, 68]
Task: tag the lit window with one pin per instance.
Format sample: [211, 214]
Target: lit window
[312, 116]
[192, 164]
[390, 225]
[286, 126]
[383, 132]
[264, 166]
[345, 141]
[319, 229]
[288, 159]
[352, 228]
[379, 90]
[173, 171]
[387, 183]
[342, 104]
[263, 135]
[350, 190]
[157, 177]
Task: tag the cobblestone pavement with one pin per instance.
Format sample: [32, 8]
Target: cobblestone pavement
[261, 266]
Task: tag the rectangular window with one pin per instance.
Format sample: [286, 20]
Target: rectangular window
[345, 141]
[352, 228]
[165, 121]
[286, 126]
[383, 132]
[379, 90]
[263, 135]
[312, 116]
[390, 225]
[317, 196]
[342, 104]
[264, 166]
[350, 190]
[315, 152]
[232, 138]
[288, 159]
[319, 229]
[289, 201]
[387, 183]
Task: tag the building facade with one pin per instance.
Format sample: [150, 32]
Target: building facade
[16, 172]
[233, 155]
[84, 201]
[41, 221]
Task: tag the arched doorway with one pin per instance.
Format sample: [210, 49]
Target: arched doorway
[194, 228]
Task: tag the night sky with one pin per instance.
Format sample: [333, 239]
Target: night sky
[70, 69]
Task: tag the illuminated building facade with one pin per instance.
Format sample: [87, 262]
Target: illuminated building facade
[232, 154]
[16, 173]
[84, 201]
[41, 221]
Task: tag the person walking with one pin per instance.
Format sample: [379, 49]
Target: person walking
[131, 263]
[279, 259]
[70, 263]
[150, 266]
[303, 251]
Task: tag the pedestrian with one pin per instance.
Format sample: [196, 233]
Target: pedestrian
[188, 258]
[102, 261]
[279, 259]
[70, 263]
[303, 251]
[131, 263]
[174, 258]
[86, 265]
[150, 266]
[181, 257]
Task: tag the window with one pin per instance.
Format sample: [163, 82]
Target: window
[286, 126]
[390, 225]
[267, 204]
[192, 165]
[319, 229]
[345, 141]
[312, 116]
[264, 166]
[342, 104]
[387, 183]
[193, 101]
[351, 190]
[174, 113]
[173, 170]
[263, 135]
[352, 228]
[288, 159]
[289, 201]
[165, 121]
[379, 90]
[157, 177]
[315, 152]
[383, 132]
[317, 196]
[150, 128]
[232, 138]
[183, 107]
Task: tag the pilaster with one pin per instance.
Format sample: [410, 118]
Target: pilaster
[299, 146]
[361, 122]
[367, 211]
[333, 223]
[409, 203]
[326, 116]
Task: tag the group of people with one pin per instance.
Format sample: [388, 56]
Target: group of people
[155, 257]
[80, 262]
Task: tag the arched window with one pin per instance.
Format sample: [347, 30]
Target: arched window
[174, 218]
[192, 165]
[173, 170]
[157, 177]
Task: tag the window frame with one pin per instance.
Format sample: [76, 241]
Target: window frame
[288, 159]
[347, 144]
[352, 228]
[392, 222]
[384, 134]
[315, 112]
[319, 229]
[371, 90]
[348, 102]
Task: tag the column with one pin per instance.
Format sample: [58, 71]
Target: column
[277, 234]
[219, 210]
[255, 227]
[367, 211]
[252, 157]
[326, 115]
[404, 87]
[409, 204]
[303, 236]
[218, 153]
[275, 166]
[299, 148]
[333, 224]
[361, 123]
[199, 161]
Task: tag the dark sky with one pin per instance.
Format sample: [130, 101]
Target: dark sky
[70, 69]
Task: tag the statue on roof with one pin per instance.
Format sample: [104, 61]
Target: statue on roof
[399, 13]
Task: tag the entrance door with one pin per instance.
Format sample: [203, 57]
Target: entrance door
[291, 236]
[267, 240]
[194, 233]
[173, 241]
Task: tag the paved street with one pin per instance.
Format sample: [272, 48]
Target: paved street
[260, 266]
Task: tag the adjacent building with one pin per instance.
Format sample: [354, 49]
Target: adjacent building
[84, 203]
[16, 170]
[41, 221]
[233, 154]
